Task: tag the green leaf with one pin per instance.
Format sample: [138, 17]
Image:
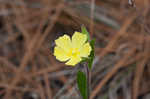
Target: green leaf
[92, 55]
[84, 31]
[84, 59]
[92, 42]
[82, 84]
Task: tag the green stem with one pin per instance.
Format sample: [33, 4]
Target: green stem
[88, 74]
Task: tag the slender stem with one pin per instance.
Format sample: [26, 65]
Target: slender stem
[88, 73]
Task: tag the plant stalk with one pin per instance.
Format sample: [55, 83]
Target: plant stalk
[88, 75]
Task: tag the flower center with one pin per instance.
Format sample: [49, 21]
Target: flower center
[73, 53]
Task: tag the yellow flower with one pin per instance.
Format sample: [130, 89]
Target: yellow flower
[72, 50]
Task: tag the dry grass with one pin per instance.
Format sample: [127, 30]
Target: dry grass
[28, 28]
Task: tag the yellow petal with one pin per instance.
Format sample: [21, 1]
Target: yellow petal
[60, 54]
[85, 50]
[64, 43]
[73, 61]
[78, 39]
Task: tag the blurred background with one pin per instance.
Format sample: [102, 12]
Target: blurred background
[28, 28]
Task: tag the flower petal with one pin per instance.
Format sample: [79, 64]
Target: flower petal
[78, 39]
[73, 61]
[60, 54]
[85, 50]
[64, 42]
